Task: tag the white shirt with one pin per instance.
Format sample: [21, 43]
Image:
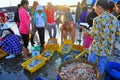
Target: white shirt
[40, 21]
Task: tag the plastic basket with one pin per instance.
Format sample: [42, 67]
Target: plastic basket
[49, 46]
[35, 68]
[76, 60]
[87, 40]
[65, 42]
[113, 70]
[53, 40]
[2, 54]
[36, 48]
[78, 48]
[47, 58]
[71, 55]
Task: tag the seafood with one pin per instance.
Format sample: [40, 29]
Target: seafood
[47, 54]
[66, 47]
[77, 71]
[51, 42]
[34, 63]
[71, 55]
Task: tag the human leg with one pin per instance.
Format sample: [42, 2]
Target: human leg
[25, 39]
[41, 32]
[50, 31]
[33, 34]
[92, 57]
[54, 30]
[102, 60]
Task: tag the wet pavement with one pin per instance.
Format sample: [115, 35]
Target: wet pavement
[11, 69]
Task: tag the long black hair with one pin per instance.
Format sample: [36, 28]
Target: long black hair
[23, 2]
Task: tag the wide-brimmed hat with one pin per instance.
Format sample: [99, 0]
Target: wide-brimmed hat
[5, 32]
[5, 26]
[39, 7]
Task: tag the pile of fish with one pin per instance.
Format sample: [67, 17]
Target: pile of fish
[34, 63]
[47, 54]
[66, 47]
[77, 71]
[71, 55]
[51, 42]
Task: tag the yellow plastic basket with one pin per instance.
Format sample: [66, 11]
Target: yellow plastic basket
[78, 48]
[47, 58]
[2, 54]
[65, 42]
[35, 68]
[53, 40]
[49, 46]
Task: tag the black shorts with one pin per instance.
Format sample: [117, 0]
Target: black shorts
[25, 38]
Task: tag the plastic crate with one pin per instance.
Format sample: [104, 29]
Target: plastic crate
[51, 46]
[78, 48]
[66, 42]
[47, 58]
[81, 49]
[53, 40]
[2, 54]
[35, 68]
[71, 55]
[36, 48]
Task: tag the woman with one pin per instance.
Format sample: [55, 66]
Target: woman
[10, 42]
[33, 11]
[103, 32]
[24, 26]
[50, 20]
[68, 29]
[40, 22]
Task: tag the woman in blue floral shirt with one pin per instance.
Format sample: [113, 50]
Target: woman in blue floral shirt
[103, 32]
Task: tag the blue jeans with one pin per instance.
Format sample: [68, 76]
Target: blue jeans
[50, 27]
[102, 60]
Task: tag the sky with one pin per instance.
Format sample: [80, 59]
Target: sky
[6, 3]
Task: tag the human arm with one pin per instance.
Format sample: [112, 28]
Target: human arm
[73, 32]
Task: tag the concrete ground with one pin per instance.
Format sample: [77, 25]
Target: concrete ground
[12, 70]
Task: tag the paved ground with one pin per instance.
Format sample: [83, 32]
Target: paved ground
[12, 70]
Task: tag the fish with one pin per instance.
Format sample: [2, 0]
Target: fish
[77, 71]
[66, 47]
[34, 63]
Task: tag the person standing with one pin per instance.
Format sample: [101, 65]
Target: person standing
[50, 20]
[33, 10]
[103, 32]
[78, 9]
[16, 17]
[40, 22]
[24, 26]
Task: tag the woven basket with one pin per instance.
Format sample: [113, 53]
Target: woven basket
[2, 54]
[82, 61]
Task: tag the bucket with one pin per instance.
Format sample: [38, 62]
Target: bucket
[87, 40]
[39, 78]
[113, 70]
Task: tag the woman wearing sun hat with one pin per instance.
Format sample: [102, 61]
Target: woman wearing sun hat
[40, 22]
